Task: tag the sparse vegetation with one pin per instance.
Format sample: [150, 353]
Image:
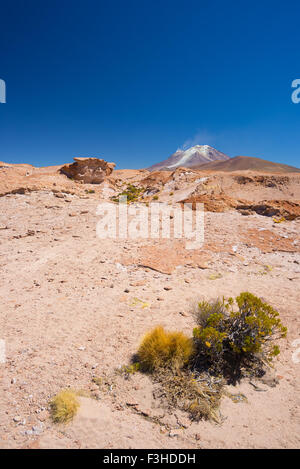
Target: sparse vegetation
[167, 350]
[132, 193]
[195, 393]
[167, 356]
[155, 197]
[279, 220]
[64, 406]
[228, 339]
[128, 370]
[231, 336]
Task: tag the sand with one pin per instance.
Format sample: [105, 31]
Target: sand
[74, 307]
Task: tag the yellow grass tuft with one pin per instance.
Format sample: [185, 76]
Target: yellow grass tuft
[64, 406]
[161, 349]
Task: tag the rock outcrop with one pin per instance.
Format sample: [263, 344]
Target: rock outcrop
[212, 203]
[290, 210]
[88, 170]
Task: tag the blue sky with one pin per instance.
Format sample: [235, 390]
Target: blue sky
[131, 81]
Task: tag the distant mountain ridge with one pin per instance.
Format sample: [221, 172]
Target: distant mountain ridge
[190, 158]
[248, 163]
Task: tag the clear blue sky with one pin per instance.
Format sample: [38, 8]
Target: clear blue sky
[131, 81]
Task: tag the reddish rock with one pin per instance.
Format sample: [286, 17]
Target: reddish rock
[268, 241]
[212, 202]
[88, 170]
[167, 256]
[288, 209]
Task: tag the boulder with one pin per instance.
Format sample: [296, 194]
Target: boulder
[88, 170]
[212, 202]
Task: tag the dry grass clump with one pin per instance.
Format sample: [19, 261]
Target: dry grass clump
[197, 394]
[167, 355]
[64, 406]
[161, 349]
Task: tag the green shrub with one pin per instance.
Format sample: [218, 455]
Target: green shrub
[128, 370]
[132, 193]
[237, 336]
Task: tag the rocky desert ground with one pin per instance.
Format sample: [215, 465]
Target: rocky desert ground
[75, 307]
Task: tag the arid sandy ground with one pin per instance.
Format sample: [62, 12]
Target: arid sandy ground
[69, 312]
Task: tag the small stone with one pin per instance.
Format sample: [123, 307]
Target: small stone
[245, 212]
[145, 412]
[97, 395]
[184, 422]
[43, 415]
[94, 387]
[17, 419]
[138, 283]
[37, 430]
[132, 403]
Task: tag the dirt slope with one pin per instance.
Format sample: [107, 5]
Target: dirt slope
[248, 163]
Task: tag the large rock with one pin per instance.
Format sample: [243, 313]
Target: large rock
[88, 170]
[212, 202]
